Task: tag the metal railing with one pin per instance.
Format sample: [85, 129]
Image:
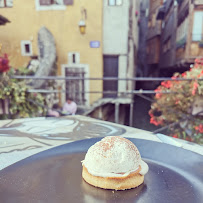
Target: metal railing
[134, 79]
[140, 92]
[104, 78]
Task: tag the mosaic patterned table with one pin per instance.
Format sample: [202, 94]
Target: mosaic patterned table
[22, 138]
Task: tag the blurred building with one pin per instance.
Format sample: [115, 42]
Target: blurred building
[78, 39]
[189, 34]
[153, 37]
[168, 14]
[142, 67]
[177, 41]
[120, 38]
[77, 53]
[181, 36]
[120, 45]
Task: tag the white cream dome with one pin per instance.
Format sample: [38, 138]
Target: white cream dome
[113, 156]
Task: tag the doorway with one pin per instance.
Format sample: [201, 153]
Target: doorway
[110, 70]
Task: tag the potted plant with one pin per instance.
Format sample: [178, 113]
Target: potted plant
[14, 94]
[180, 107]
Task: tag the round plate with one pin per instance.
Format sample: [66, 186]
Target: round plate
[175, 175]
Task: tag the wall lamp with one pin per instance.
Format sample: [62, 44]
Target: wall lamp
[82, 23]
[82, 26]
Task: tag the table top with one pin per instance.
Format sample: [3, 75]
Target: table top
[21, 138]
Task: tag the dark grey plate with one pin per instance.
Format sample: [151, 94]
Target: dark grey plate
[175, 175]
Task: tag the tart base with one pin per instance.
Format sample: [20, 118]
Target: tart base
[115, 183]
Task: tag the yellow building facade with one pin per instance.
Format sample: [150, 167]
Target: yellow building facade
[28, 16]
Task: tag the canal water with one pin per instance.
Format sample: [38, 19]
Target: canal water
[141, 118]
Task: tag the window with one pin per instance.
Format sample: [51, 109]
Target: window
[167, 45]
[73, 58]
[182, 30]
[115, 2]
[52, 4]
[6, 3]
[146, 12]
[163, 24]
[26, 48]
[76, 89]
[197, 33]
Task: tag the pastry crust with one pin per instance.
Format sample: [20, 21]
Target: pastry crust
[116, 183]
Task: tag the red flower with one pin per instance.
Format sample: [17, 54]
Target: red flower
[199, 128]
[189, 139]
[155, 122]
[195, 86]
[4, 63]
[177, 101]
[150, 113]
[195, 66]
[175, 136]
[174, 77]
[166, 84]
[201, 74]
[158, 95]
[183, 74]
[197, 60]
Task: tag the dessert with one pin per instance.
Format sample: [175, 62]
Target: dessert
[114, 163]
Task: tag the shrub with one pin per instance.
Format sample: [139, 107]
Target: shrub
[21, 102]
[179, 109]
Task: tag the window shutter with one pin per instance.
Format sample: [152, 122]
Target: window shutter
[45, 2]
[68, 2]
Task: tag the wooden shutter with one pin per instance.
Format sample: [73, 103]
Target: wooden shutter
[45, 2]
[68, 2]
